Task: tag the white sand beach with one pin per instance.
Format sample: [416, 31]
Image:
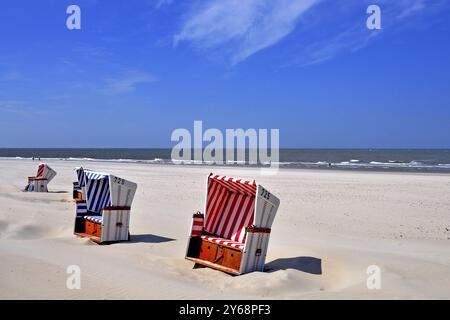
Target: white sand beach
[330, 227]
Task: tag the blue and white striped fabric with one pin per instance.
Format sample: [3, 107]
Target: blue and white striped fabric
[81, 208]
[81, 177]
[96, 219]
[97, 191]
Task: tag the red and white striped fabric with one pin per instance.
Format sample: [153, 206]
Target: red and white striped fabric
[225, 242]
[197, 225]
[40, 171]
[44, 171]
[230, 207]
[236, 185]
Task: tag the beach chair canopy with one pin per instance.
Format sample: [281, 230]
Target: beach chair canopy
[81, 176]
[230, 207]
[45, 172]
[105, 190]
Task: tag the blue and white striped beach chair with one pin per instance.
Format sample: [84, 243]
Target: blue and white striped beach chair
[79, 185]
[104, 216]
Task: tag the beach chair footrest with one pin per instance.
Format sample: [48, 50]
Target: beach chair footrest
[215, 255]
[212, 265]
[91, 237]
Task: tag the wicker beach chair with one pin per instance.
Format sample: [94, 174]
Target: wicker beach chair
[104, 216]
[233, 234]
[39, 183]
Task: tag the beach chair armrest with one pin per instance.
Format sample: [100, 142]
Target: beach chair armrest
[116, 208]
[197, 224]
[117, 214]
[255, 229]
[255, 249]
[198, 215]
[115, 223]
[81, 208]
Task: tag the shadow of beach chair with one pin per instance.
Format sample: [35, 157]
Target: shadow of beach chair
[39, 183]
[310, 265]
[104, 216]
[233, 234]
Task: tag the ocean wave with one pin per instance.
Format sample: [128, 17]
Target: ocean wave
[74, 159]
[351, 164]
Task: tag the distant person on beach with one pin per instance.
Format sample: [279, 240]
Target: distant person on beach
[329, 164]
[33, 158]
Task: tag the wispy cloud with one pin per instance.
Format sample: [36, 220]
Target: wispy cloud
[161, 3]
[354, 35]
[239, 29]
[126, 82]
[410, 7]
[325, 49]
[243, 27]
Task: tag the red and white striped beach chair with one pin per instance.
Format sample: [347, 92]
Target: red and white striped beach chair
[105, 214]
[39, 183]
[233, 235]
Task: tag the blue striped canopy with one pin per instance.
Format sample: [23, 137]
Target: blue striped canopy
[98, 195]
[81, 177]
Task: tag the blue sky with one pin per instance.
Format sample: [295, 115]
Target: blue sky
[139, 69]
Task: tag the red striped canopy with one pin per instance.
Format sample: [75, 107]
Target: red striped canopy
[40, 171]
[230, 206]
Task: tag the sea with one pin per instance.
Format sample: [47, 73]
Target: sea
[410, 160]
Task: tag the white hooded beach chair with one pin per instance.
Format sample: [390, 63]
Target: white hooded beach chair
[39, 183]
[79, 186]
[233, 234]
[104, 216]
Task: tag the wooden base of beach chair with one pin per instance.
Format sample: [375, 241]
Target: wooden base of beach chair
[93, 229]
[215, 266]
[91, 237]
[98, 240]
[215, 256]
[90, 230]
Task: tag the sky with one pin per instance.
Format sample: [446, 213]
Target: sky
[139, 69]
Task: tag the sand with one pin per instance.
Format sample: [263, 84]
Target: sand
[331, 226]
